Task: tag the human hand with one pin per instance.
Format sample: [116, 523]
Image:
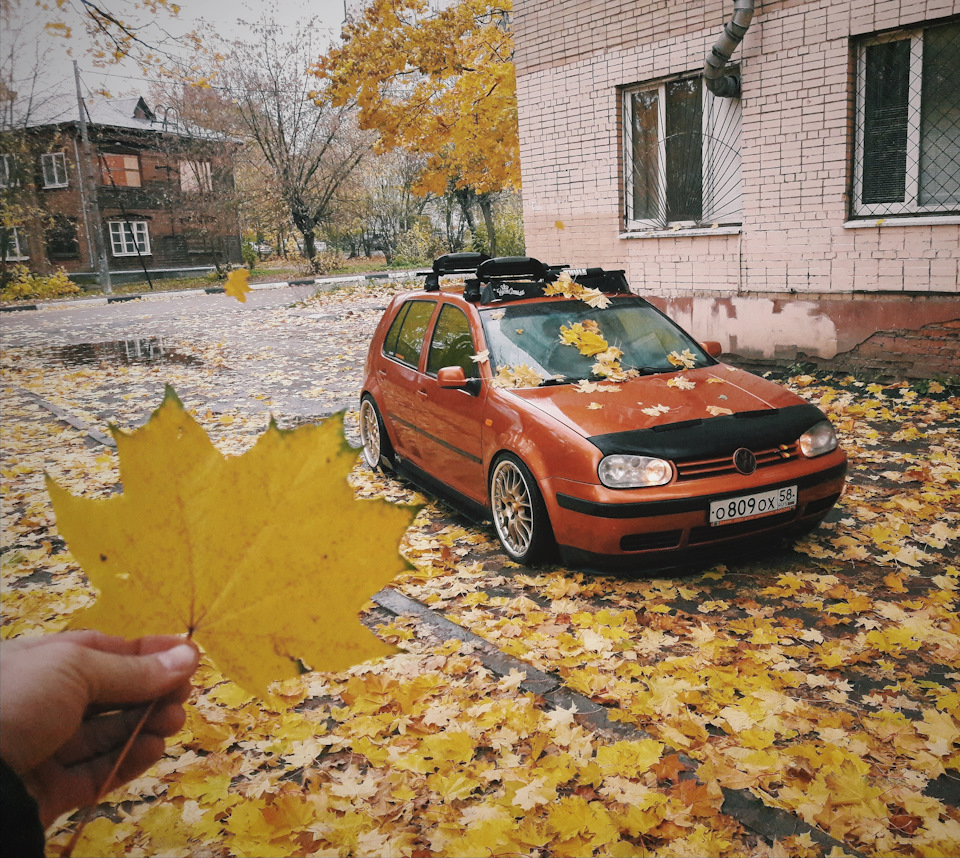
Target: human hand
[70, 702]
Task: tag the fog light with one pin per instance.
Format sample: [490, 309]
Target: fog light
[633, 472]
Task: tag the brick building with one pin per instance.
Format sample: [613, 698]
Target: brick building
[813, 215]
[163, 191]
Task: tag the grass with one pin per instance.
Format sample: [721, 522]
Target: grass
[267, 271]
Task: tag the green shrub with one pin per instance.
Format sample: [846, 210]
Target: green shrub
[249, 254]
[22, 285]
[419, 245]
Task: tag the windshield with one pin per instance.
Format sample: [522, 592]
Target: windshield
[569, 341]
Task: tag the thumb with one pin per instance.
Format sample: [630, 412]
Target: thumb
[116, 678]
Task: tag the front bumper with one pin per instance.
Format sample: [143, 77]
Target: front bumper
[603, 527]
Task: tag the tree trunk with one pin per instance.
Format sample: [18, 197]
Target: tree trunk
[486, 206]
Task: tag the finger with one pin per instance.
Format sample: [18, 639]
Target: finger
[59, 788]
[112, 678]
[123, 646]
[103, 734]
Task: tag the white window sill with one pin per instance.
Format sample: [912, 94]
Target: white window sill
[56, 187]
[17, 259]
[134, 253]
[682, 232]
[927, 220]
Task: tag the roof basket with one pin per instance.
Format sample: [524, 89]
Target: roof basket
[512, 268]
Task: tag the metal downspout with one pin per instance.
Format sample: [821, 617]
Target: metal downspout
[728, 86]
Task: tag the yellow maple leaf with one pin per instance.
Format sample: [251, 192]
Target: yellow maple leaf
[237, 285]
[264, 559]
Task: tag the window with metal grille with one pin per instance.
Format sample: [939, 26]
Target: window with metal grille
[907, 152]
[54, 166]
[129, 237]
[682, 156]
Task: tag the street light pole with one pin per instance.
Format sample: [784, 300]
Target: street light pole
[89, 179]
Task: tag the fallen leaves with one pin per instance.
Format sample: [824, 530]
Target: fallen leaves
[823, 679]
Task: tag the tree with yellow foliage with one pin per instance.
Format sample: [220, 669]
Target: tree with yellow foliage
[439, 84]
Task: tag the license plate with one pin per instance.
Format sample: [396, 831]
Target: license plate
[746, 507]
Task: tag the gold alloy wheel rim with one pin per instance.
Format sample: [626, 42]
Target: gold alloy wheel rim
[512, 508]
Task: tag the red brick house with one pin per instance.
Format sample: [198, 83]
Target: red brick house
[812, 212]
[164, 191]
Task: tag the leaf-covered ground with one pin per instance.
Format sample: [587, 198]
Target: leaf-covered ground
[823, 678]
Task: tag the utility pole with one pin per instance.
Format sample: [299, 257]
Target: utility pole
[89, 179]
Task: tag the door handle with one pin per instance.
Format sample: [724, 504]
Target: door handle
[422, 393]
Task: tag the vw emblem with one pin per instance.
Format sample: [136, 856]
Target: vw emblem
[744, 461]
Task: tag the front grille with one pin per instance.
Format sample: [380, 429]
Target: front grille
[697, 469]
[650, 541]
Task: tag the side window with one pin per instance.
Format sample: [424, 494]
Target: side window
[405, 338]
[452, 344]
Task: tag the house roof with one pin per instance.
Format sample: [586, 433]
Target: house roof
[132, 113]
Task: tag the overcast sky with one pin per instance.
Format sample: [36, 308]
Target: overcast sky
[27, 36]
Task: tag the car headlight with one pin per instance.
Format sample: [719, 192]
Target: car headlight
[818, 439]
[632, 472]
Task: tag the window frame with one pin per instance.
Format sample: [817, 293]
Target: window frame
[469, 366]
[910, 206]
[8, 171]
[721, 114]
[129, 247]
[123, 167]
[53, 159]
[196, 176]
[395, 331]
[18, 243]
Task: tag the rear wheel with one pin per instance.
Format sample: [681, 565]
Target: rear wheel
[519, 513]
[377, 451]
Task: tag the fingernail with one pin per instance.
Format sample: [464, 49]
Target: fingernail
[178, 658]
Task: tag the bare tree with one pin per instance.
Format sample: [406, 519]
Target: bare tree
[310, 147]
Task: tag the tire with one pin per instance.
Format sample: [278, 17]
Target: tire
[375, 444]
[519, 514]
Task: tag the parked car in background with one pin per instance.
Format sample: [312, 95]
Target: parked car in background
[578, 418]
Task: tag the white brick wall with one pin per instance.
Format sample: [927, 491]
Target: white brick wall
[797, 64]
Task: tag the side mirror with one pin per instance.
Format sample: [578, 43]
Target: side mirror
[712, 348]
[454, 378]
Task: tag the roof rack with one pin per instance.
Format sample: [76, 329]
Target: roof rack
[512, 278]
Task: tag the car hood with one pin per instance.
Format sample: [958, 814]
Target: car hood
[673, 414]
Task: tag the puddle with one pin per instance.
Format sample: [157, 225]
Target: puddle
[134, 350]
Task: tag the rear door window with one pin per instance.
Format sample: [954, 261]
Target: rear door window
[404, 340]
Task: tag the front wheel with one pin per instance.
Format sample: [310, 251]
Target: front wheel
[519, 513]
[375, 444]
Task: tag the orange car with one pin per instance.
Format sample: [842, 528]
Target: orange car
[577, 416]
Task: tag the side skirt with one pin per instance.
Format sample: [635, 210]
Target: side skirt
[461, 503]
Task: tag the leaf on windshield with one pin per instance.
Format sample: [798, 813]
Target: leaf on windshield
[684, 360]
[517, 376]
[566, 287]
[585, 337]
[265, 559]
[681, 383]
[481, 357]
